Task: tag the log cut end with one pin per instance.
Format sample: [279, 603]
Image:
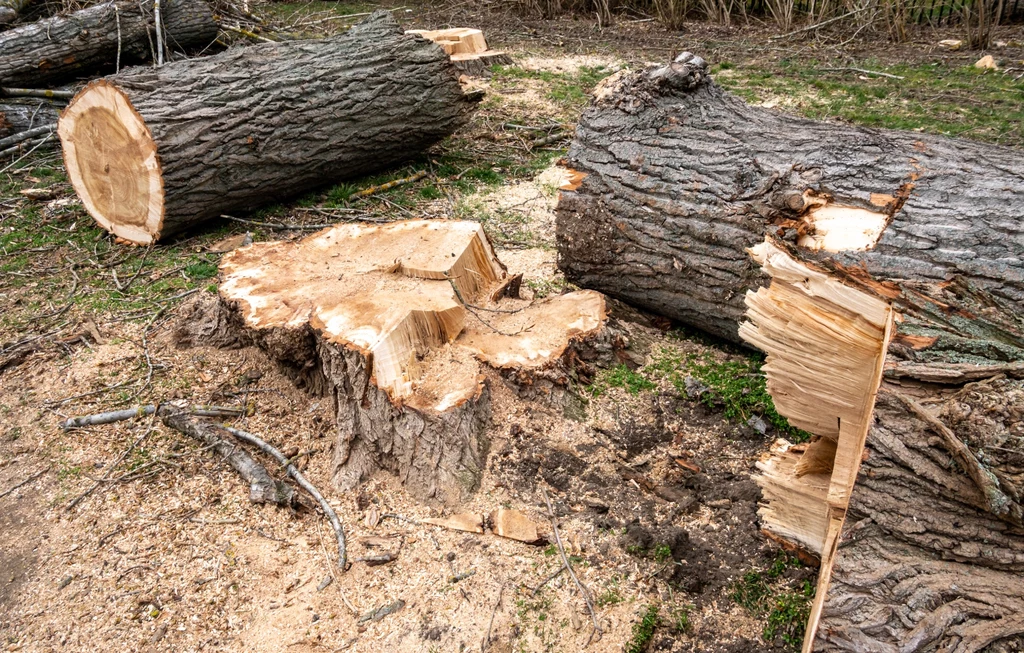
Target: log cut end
[404, 326]
[466, 47]
[112, 162]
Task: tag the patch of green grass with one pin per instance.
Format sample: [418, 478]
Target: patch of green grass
[941, 98]
[569, 89]
[737, 386]
[621, 376]
[681, 618]
[785, 610]
[643, 631]
[610, 596]
[201, 270]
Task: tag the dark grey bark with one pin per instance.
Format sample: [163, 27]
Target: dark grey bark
[262, 486]
[249, 126]
[682, 177]
[923, 563]
[62, 48]
[20, 116]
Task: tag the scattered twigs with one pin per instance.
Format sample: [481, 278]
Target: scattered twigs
[302, 482]
[246, 33]
[497, 604]
[36, 92]
[106, 478]
[262, 487]
[26, 135]
[998, 502]
[37, 145]
[547, 580]
[372, 190]
[281, 226]
[140, 411]
[25, 482]
[568, 567]
[557, 136]
[817, 26]
[865, 72]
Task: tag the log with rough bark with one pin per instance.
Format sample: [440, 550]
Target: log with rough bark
[882, 273]
[62, 48]
[402, 326]
[153, 151]
[20, 116]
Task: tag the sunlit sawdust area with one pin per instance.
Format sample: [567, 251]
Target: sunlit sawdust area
[648, 469]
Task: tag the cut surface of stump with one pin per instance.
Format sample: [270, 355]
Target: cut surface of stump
[153, 151]
[467, 48]
[397, 324]
[881, 274]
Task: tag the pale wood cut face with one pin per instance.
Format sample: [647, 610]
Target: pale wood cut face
[397, 293]
[111, 162]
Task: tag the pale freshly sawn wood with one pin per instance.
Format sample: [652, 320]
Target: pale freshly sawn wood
[252, 125]
[394, 323]
[467, 48]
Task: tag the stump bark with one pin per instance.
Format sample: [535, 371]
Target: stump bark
[397, 325]
[882, 274]
[154, 151]
[62, 48]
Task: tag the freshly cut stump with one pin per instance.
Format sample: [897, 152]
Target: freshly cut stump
[62, 48]
[154, 151]
[881, 272]
[467, 48]
[396, 324]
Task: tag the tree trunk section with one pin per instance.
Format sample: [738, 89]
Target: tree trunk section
[397, 326]
[682, 178]
[62, 48]
[882, 274]
[154, 151]
[20, 116]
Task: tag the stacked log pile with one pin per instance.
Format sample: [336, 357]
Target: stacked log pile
[882, 274]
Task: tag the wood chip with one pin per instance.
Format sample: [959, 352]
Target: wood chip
[514, 525]
[468, 521]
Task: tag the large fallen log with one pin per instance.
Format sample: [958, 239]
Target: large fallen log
[153, 151]
[62, 48]
[882, 274]
[400, 325]
[20, 116]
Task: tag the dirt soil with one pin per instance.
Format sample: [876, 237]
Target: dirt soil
[651, 491]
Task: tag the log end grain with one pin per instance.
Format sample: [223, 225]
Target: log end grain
[112, 162]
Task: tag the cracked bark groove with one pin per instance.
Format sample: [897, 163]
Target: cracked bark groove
[376, 318]
[883, 274]
[154, 151]
[59, 49]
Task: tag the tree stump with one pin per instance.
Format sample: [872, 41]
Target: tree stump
[62, 48]
[153, 151]
[401, 325]
[882, 274]
[467, 48]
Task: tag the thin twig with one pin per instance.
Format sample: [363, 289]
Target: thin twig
[25, 482]
[497, 604]
[19, 159]
[37, 92]
[366, 192]
[819, 25]
[158, 26]
[140, 411]
[547, 580]
[280, 225]
[865, 72]
[568, 567]
[302, 482]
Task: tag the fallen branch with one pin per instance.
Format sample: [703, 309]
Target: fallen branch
[568, 567]
[141, 411]
[25, 482]
[366, 192]
[26, 135]
[816, 26]
[303, 483]
[262, 487]
[865, 72]
[37, 92]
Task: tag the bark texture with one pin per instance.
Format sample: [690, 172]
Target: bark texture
[923, 563]
[9, 10]
[20, 116]
[62, 48]
[246, 127]
[683, 177]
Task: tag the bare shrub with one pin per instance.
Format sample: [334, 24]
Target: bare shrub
[782, 13]
[979, 18]
[672, 13]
